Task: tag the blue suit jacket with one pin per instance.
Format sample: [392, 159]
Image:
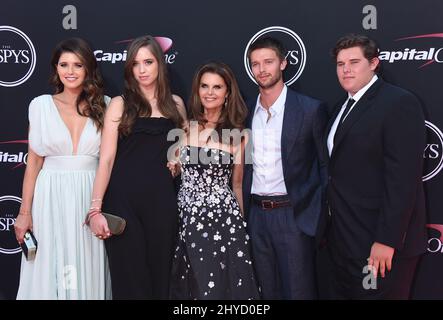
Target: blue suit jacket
[304, 168]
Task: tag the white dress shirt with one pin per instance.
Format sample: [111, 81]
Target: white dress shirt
[356, 97]
[267, 177]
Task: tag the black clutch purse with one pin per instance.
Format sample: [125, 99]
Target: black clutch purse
[29, 245]
[116, 224]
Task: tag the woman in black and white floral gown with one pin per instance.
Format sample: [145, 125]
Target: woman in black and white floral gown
[212, 259]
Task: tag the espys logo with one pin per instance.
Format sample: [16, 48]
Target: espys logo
[113, 57]
[9, 207]
[435, 245]
[433, 154]
[17, 57]
[14, 153]
[296, 54]
[426, 55]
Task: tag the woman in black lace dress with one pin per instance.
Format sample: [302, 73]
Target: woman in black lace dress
[212, 259]
[140, 187]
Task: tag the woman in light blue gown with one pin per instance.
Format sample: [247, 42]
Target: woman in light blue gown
[64, 141]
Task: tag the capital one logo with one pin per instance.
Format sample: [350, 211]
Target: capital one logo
[9, 207]
[120, 56]
[426, 55]
[14, 153]
[433, 156]
[435, 245]
[17, 57]
[295, 55]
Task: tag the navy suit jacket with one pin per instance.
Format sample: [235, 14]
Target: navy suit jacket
[304, 169]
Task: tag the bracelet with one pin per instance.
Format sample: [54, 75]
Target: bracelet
[96, 199]
[93, 214]
[90, 215]
[24, 213]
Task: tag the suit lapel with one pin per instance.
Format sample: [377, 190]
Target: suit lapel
[328, 129]
[358, 110]
[292, 122]
[247, 173]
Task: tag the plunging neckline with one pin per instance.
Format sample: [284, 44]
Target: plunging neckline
[67, 128]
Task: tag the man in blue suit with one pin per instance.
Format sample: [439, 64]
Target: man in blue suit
[284, 185]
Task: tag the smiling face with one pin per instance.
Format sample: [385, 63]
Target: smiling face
[212, 91]
[354, 71]
[145, 67]
[71, 70]
[267, 67]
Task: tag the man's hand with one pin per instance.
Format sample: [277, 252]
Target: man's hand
[380, 258]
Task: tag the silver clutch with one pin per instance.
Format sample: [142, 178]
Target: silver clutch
[29, 245]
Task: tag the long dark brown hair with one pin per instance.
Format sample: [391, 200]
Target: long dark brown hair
[234, 111]
[92, 91]
[135, 103]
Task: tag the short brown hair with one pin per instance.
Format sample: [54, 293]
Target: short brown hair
[369, 46]
[269, 43]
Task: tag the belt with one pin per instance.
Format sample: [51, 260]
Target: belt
[70, 163]
[271, 202]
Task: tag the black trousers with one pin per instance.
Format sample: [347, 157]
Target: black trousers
[140, 259]
[351, 279]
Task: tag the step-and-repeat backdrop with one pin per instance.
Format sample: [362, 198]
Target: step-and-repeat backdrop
[409, 32]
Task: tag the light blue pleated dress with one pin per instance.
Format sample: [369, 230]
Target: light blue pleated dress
[70, 263]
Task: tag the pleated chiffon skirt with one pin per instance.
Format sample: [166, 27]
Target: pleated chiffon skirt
[70, 263]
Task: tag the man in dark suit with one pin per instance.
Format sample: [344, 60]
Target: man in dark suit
[376, 217]
[285, 182]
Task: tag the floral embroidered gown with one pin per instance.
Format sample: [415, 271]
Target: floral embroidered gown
[212, 259]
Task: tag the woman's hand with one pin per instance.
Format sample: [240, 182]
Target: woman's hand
[174, 167]
[22, 224]
[99, 226]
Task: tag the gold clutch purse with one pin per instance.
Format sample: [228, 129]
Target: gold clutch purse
[116, 224]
